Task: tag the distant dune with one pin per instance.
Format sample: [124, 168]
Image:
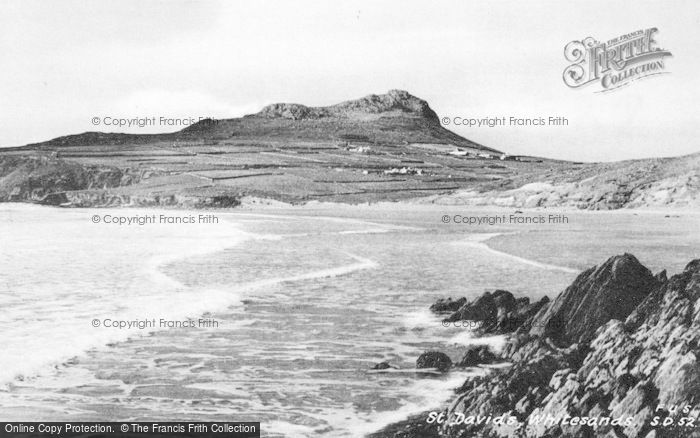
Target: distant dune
[658, 182]
[377, 148]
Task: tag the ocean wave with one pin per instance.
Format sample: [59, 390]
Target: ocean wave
[52, 326]
[479, 241]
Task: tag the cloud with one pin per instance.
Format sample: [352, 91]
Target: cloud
[172, 104]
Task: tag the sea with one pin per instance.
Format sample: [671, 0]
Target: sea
[276, 315]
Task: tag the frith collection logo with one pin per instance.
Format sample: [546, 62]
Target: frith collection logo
[616, 62]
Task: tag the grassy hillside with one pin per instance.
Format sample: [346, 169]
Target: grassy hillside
[378, 148]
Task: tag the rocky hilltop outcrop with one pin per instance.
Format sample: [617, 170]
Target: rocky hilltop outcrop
[395, 102]
[618, 350]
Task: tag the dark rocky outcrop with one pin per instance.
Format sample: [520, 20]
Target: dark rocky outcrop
[642, 350]
[434, 359]
[661, 276]
[445, 305]
[634, 366]
[483, 310]
[383, 366]
[486, 308]
[477, 355]
[524, 311]
[609, 291]
[497, 312]
[394, 101]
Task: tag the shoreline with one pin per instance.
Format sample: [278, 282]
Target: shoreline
[265, 204]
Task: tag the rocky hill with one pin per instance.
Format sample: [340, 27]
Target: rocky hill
[396, 103]
[393, 119]
[386, 147]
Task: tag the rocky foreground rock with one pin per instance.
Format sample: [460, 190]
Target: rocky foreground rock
[435, 360]
[618, 349]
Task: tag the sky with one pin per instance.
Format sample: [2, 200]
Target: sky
[67, 62]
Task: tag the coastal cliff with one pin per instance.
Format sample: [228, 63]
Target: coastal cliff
[619, 344]
[50, 181]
